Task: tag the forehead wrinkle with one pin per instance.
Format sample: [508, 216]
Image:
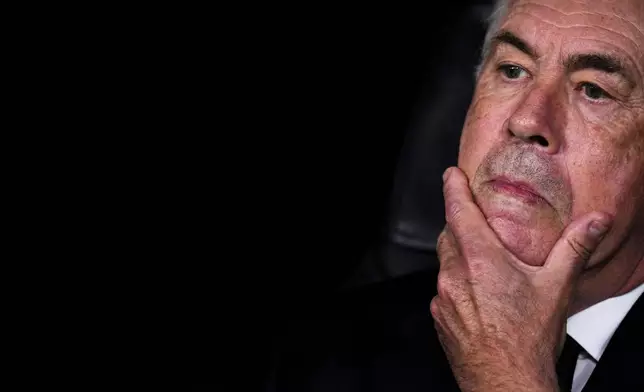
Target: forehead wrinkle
[622, 52]
[517, 11]
[637, 45]
[621, 18]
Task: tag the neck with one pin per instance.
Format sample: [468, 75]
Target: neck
[581, 302]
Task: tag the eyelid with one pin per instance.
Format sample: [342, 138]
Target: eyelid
[607, 96]
[613, 86]
[503, 65]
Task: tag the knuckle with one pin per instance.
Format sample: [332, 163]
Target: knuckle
[444, 249]
[441, 243]
[434, 307]
[582, 251]
[477, 264]
[443, 235]
[444, 285]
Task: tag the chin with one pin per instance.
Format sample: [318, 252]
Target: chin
[528, 230]
[531, 245]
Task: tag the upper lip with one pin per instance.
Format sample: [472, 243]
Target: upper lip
[526, 186]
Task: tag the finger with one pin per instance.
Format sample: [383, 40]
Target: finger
[435, 308]
[444, 320]
[456, 297]
[575, 247]
[465, 219]
[452, 284]
[439, 323]
[446, 248]
[444, 340]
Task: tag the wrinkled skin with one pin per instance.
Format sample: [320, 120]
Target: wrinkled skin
[512, 271]
[499, 319]
[594, 158]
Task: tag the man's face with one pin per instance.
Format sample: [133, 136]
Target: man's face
[559, 105]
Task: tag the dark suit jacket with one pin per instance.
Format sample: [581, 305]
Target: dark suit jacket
[382, 338]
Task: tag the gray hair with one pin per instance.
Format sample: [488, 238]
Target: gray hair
[494, 20]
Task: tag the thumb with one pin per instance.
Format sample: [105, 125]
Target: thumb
[576, 245]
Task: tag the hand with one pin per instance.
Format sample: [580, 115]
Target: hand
[501, 321]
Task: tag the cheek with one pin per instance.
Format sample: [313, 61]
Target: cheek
[615, 187]
[485, 119]
[610, 128]
[607, 174]
[605, 160]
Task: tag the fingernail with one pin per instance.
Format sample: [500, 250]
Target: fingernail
[446, 174]
[597, 229]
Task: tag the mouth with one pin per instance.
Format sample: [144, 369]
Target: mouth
[517, 189]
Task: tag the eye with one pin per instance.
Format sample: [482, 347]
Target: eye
[511, 71]
[593, 91]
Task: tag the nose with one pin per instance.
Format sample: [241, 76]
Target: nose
[537, 118]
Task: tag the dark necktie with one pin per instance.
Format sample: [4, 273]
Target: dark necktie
[566, 363]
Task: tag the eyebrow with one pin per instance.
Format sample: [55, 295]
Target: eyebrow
[507, 37]
[598, 61]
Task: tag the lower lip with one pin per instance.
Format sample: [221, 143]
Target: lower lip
[517, 192]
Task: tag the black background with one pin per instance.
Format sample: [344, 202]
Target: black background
[311, 109]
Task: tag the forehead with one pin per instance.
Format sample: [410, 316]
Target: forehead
[580, 25]
[626, 9]
[626, 15]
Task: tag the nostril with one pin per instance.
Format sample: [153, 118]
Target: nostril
[540, 139]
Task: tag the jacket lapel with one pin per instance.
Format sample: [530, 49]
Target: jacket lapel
[620, 367]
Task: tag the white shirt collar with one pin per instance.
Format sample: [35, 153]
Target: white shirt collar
[593, 327]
